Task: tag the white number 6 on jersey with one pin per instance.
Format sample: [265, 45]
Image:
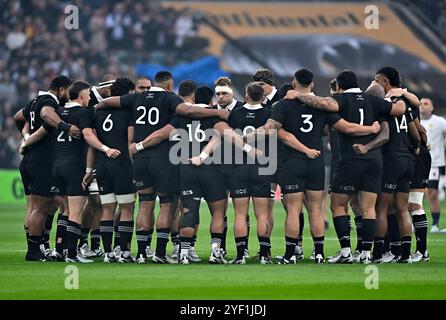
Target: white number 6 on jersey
[108, 124]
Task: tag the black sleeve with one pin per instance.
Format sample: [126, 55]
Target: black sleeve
[385, 107]
[130, 120]
[26, 110]
[50, 102]
[127, 101]
[332, 118]
[215, 120]
[279, 112]
[174, 122]
[173, 102]
[342, 102]
[85, 120]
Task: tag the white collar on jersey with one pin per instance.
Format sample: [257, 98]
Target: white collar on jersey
[252, 106]
[230, 106]
[72, 104]
[353, 90]
[271, 95]
[201, 105]
[156, 89]
[43, 93]
[96, 94]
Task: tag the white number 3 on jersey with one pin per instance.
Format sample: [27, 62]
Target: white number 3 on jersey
[308, 125]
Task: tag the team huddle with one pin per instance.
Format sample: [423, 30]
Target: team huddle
[91, 152]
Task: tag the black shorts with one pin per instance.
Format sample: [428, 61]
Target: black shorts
[67, 178]
[115, 176]
[301, 174]
[226, 171]
[422, 168]
[246, 182]
[275, 178]
[397, 172]
[24, 181]
[38, 178]
[353, 175]
[157, 173]
[204, 181]
[434, 177]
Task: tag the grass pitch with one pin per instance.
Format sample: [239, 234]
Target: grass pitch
[34, 280]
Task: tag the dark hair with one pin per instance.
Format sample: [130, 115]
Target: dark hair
[142, 77]
[76, 88]
[304, 77]
[392, 74]
[203, 94]
[347, 79]
[332, 84]
[60, 82]
[122, 86]
[254, 91]
[264, 75]
[187, 88]
[163, 76]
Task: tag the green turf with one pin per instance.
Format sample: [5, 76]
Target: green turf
[34, 280]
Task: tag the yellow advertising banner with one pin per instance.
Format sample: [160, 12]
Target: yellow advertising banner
[240, 19]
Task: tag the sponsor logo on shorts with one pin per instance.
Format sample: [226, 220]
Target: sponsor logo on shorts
[187, 192]
[291, 187]
[347, 188]
[139, 184]
[390, 186]
[240, 191]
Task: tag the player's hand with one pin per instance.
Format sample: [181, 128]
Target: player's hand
[75, 132]
[113, 153]
[396, 92]
[292, 95]
[312, 153]
[196, 161]
[255, 153]
[88, 178]
[360, 149]
[376, 127]
[223, 114]
[417, 151]
[132, 149]
[22, 147]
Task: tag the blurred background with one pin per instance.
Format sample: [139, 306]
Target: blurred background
[203, 40]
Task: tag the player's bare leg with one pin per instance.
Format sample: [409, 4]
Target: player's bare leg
[145, 219]
[163, 223]
[263, 228]
[294, 207]
[313, 204]
[36, 223]
[217, 209]
[241, 208]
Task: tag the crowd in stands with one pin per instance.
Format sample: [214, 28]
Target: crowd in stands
[113, 36]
